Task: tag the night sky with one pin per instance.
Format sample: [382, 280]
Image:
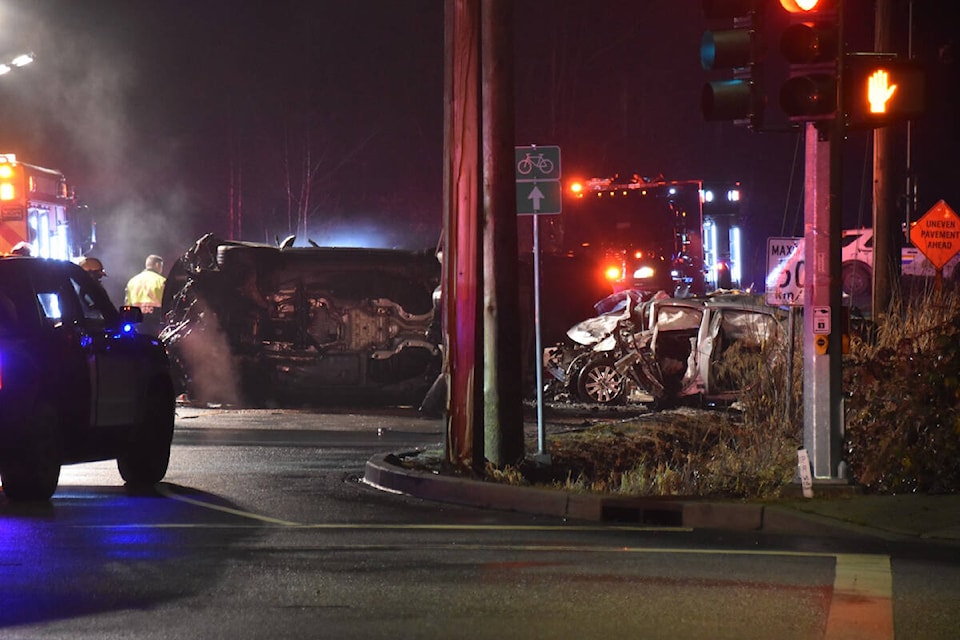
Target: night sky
[153, 108]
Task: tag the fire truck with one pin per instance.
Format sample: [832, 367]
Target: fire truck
[613, 234]
[679, 236]
[38, 207]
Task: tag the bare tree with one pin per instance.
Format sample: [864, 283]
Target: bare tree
[284, 160]
[310, 166]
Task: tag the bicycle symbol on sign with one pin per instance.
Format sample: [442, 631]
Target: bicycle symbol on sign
[542, 164]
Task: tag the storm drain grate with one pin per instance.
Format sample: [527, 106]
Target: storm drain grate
[642, 515]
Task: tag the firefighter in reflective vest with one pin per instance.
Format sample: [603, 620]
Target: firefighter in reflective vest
[145, 290]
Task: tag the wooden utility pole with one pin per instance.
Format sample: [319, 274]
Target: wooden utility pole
[479, 279]
[461, 235]
[886, 233]
[502, 352]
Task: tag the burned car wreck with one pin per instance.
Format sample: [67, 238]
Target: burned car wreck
[256, 325]
[659, 350]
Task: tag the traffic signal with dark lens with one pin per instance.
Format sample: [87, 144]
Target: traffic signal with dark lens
[735, 50]
[811, 46]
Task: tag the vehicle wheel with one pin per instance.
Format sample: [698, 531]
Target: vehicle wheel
[600, 382]
[32, 471]
[145, 460]
[856, 277]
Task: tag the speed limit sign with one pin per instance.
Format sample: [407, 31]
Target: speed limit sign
[784, 286]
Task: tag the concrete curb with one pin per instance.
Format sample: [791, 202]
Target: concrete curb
[385, 472]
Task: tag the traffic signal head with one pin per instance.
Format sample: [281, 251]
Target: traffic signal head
[812, 49]
[805, 6]
[737, 51]
[880, 90]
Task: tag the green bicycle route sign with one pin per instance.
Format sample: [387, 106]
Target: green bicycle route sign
[538, 180]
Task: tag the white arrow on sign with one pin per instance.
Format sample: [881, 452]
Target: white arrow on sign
[536, 195]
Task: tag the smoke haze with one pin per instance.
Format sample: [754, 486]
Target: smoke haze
[73, 110]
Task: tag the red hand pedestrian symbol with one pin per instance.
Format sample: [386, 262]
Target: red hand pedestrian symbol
[879, 91]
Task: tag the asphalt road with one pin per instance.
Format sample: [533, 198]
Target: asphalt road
[263, 528]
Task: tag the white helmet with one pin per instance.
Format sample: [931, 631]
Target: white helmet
[93, 266]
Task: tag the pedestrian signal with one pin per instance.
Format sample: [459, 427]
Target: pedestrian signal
[881, 90]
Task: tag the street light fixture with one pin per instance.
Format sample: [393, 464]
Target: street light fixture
[17, 61]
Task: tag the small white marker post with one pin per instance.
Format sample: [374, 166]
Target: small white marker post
[806, 477]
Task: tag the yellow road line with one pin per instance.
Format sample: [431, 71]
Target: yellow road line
[862, 603]
[861, 606]
[168, 493]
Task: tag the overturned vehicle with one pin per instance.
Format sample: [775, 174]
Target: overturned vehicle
[659, 350]
[256, 325]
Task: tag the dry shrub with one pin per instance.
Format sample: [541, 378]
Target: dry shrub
[679, 453]
[757, 455]
[902, 426]
[508, 474]
[903, 406]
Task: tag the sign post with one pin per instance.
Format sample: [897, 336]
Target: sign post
[538, 192]
[822, 397]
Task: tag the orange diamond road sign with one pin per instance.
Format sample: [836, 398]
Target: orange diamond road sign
[937, 234]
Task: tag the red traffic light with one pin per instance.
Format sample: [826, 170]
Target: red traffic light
[806, 6]
[811, 46]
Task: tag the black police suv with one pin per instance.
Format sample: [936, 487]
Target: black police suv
[77, 382]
